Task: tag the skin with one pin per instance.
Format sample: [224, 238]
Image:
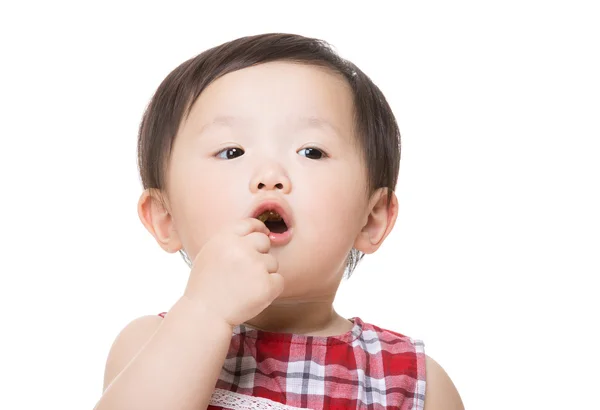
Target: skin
[328, 199]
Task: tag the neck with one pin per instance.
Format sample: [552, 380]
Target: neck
[308, 317]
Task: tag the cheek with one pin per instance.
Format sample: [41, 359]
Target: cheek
[335, 206]
[207, 202]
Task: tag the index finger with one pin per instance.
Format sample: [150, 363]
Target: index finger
[248, 225]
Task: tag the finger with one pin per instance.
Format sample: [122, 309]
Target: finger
[270, 263]
[277, 285]
[259, 241]
[249, 225]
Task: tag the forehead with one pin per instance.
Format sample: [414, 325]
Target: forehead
[276, 94]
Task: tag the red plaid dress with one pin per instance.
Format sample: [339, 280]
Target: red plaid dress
[365, 368]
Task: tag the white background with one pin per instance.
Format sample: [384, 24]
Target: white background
[495, 255]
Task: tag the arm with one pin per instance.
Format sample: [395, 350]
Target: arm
[170, 363]
[440, 392]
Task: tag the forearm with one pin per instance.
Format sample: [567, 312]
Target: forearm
[179, 366]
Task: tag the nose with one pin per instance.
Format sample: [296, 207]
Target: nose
[270, 177]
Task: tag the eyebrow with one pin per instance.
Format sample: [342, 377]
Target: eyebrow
[226, 120]
[299, 123]
[317, 122]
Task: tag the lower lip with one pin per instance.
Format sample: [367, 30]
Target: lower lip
[280, 239]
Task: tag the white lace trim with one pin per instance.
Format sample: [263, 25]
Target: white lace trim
[236, 401]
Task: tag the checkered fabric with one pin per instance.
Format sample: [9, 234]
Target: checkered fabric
[365, 368]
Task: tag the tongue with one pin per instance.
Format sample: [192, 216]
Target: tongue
[276, 226]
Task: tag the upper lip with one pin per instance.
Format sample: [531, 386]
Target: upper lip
[273, 204]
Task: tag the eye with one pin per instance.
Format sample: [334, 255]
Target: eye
[230, 153]
[312, 153]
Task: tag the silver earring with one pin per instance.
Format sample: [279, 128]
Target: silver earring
[185, 257]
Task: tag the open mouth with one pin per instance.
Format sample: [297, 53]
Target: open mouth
[273, 221]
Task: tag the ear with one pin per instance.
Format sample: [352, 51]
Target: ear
[379, 221]
[158, 220]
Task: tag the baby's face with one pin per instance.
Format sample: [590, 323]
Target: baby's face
[257, 134]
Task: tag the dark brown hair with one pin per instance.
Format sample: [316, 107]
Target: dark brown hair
[375, 125]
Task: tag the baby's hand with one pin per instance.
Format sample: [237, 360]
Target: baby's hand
[234, 275]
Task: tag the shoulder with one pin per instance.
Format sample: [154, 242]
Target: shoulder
[440, 392]
[128, 343]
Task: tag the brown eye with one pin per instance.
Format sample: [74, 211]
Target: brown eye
[230, 153]
[312, 153]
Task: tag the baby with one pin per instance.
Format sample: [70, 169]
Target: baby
[270, 164]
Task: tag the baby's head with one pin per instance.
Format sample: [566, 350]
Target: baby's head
[274, 119]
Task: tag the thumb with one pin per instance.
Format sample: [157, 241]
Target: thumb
[277, 285]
